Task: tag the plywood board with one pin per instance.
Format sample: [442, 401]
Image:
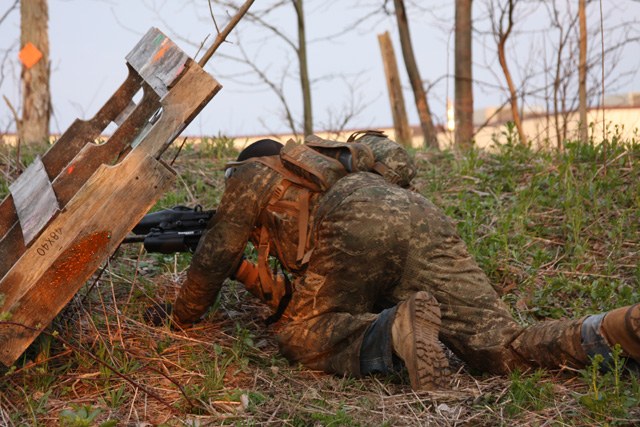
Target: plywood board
[95, 233]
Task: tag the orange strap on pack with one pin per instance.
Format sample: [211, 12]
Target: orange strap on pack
[274, 163]
[303, 222]
[265, 273]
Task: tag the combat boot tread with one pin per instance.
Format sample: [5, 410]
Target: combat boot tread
[415, 339]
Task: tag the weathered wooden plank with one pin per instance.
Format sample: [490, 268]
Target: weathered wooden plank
[76, 262]
[179, 107]
[36, 280]
[196, 87]
[76, 173]
[63, 229]
[158, 60]
[34, 199]
[72, 141]
[13, 247]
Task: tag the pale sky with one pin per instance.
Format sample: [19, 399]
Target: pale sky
[90, 38]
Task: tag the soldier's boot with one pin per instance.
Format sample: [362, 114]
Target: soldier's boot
[622, 326]
[551, 344]
[414, 336]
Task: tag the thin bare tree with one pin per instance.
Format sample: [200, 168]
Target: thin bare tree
[420, 96]
[562, 73]
[298, 46]
[463, 104]
[301, 52]
[502, 25]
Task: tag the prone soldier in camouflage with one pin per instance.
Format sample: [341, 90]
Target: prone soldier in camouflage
[385, 279]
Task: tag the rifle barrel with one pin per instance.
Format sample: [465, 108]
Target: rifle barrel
[134, 238]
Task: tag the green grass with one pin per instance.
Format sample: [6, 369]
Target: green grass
[557, 229]
[557, 233]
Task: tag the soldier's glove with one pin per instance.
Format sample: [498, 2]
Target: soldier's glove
[161, 314]
[157, 314]
[247, 273]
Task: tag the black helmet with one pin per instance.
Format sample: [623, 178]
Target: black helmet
[264, 147]
[261, 148]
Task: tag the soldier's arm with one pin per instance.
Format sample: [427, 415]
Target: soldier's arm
[222, 245]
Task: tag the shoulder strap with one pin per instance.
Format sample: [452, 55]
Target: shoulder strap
[359, 134]
[274, 162]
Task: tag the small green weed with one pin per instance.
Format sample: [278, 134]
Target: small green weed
[83, 416]
[243, 344]
[114, 396]
[609, 398]
[529, 393]
[339, 418]
[36, 404]
[219, 147]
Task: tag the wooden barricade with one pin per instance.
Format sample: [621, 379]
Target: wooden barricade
[70, 210]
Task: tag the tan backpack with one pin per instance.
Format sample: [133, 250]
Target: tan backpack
[307, 171]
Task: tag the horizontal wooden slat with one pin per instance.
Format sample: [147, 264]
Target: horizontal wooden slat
[158, 60]
[34, 199]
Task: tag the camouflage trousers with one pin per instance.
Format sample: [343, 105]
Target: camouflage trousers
[382, 243]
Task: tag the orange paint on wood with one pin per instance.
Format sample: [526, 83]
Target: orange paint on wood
[179, 70]
[72, 263]
[161, 52]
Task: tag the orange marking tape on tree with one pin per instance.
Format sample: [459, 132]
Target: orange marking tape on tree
[29, 55]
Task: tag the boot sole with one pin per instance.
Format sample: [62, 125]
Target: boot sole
[428, 367]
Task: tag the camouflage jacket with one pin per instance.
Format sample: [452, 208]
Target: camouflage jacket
[240, 217]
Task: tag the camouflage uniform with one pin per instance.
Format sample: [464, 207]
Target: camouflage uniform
[374, 244]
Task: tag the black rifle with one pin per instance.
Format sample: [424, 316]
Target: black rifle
[172, 230]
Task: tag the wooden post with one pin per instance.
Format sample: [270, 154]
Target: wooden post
[400, 122]
[582, 73]
[463, 104]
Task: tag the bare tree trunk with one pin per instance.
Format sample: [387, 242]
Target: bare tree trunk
[463, 108]
[582, 70]
[560, 82]
[400, 122]
[502, 39]
[426, 122]
[556, 89]
[36, 98]
[304, 72]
